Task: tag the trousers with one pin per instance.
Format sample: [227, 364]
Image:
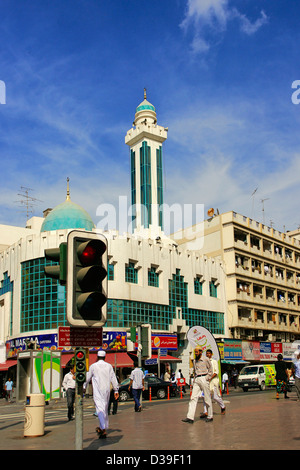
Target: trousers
[200, 385]
[218, 399]
[136, 393]
[70, 402]
[297, 386]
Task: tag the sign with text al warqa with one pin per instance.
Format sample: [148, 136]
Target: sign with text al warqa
[69, 336]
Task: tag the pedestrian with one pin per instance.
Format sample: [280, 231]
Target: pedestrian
[179, 375]
[214, 385]
[102, 375]
[69, 385]
[9, 388]
[235, 377]
[174, 384]
[202, 372]
[296, 372]
[137, 385]
[224, 381]
[282, 377]
[112, 402]
[167, 376]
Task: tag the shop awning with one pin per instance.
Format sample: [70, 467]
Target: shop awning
[7, 364]
[120, 359]
[166, 358]
[229, 361]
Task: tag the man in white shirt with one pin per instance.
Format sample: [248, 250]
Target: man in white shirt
[69, 385]
[137, 384]
[102, 376]
[214, 385]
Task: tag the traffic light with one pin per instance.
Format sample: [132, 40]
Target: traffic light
[87, 279]
[57, 271]
[80, 365]
[146, 341]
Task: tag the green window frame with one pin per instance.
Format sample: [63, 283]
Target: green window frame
[153, 277]
[146, 190]
[160, 198]
[198, 287]
[213, 289]
[110, 272]
[131, 273]
[43, 300]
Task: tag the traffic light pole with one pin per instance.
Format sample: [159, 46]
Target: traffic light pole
[78, 416]
[139, 352]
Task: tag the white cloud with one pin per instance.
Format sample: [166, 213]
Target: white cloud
[209, 18]
[250, 28]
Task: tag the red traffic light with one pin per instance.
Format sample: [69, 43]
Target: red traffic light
[80, 355]
[90, 252]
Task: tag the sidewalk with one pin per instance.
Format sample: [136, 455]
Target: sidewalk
[256, 421]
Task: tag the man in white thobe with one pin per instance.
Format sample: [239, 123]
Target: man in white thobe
[214, 385]
[102, 376]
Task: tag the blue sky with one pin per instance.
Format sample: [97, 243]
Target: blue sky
[219, 73]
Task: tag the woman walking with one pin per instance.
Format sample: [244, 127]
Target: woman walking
[282, 377]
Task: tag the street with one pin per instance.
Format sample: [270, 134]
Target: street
[255, 420]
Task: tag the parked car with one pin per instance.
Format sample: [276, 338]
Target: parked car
[159, 388]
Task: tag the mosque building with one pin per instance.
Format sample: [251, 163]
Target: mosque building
[151, 279]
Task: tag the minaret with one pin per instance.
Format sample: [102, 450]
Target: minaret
[145, 140]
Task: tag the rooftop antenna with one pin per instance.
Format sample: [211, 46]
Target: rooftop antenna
[263, 207]
[28, 201]
[252, 195]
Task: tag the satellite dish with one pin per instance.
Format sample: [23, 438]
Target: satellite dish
[210, 212]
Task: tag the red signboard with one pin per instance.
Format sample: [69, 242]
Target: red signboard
[69, 336]
[180, 382]
[166, 341]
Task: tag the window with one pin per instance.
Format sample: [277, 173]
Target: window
[43, 300]
[111, 272]
[146, 194]
[131, 273]
[213, 289]
[198, 286]
[153, 278]
[159, 185]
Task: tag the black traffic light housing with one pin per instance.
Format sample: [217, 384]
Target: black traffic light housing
[145, 339]
[80, 365]
[87, 279]
[57, 271]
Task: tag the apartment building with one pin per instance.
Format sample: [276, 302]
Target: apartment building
[262, 276]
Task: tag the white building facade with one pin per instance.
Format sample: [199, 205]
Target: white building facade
[150, 279]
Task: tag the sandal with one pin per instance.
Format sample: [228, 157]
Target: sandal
[101, 433]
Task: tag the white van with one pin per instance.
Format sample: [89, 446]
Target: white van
[257, 376]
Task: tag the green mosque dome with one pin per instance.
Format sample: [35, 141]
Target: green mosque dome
[145, 111]
[67, 215]
[145, 105]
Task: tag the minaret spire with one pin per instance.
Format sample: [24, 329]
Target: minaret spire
[68, 189]
[145, 141]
